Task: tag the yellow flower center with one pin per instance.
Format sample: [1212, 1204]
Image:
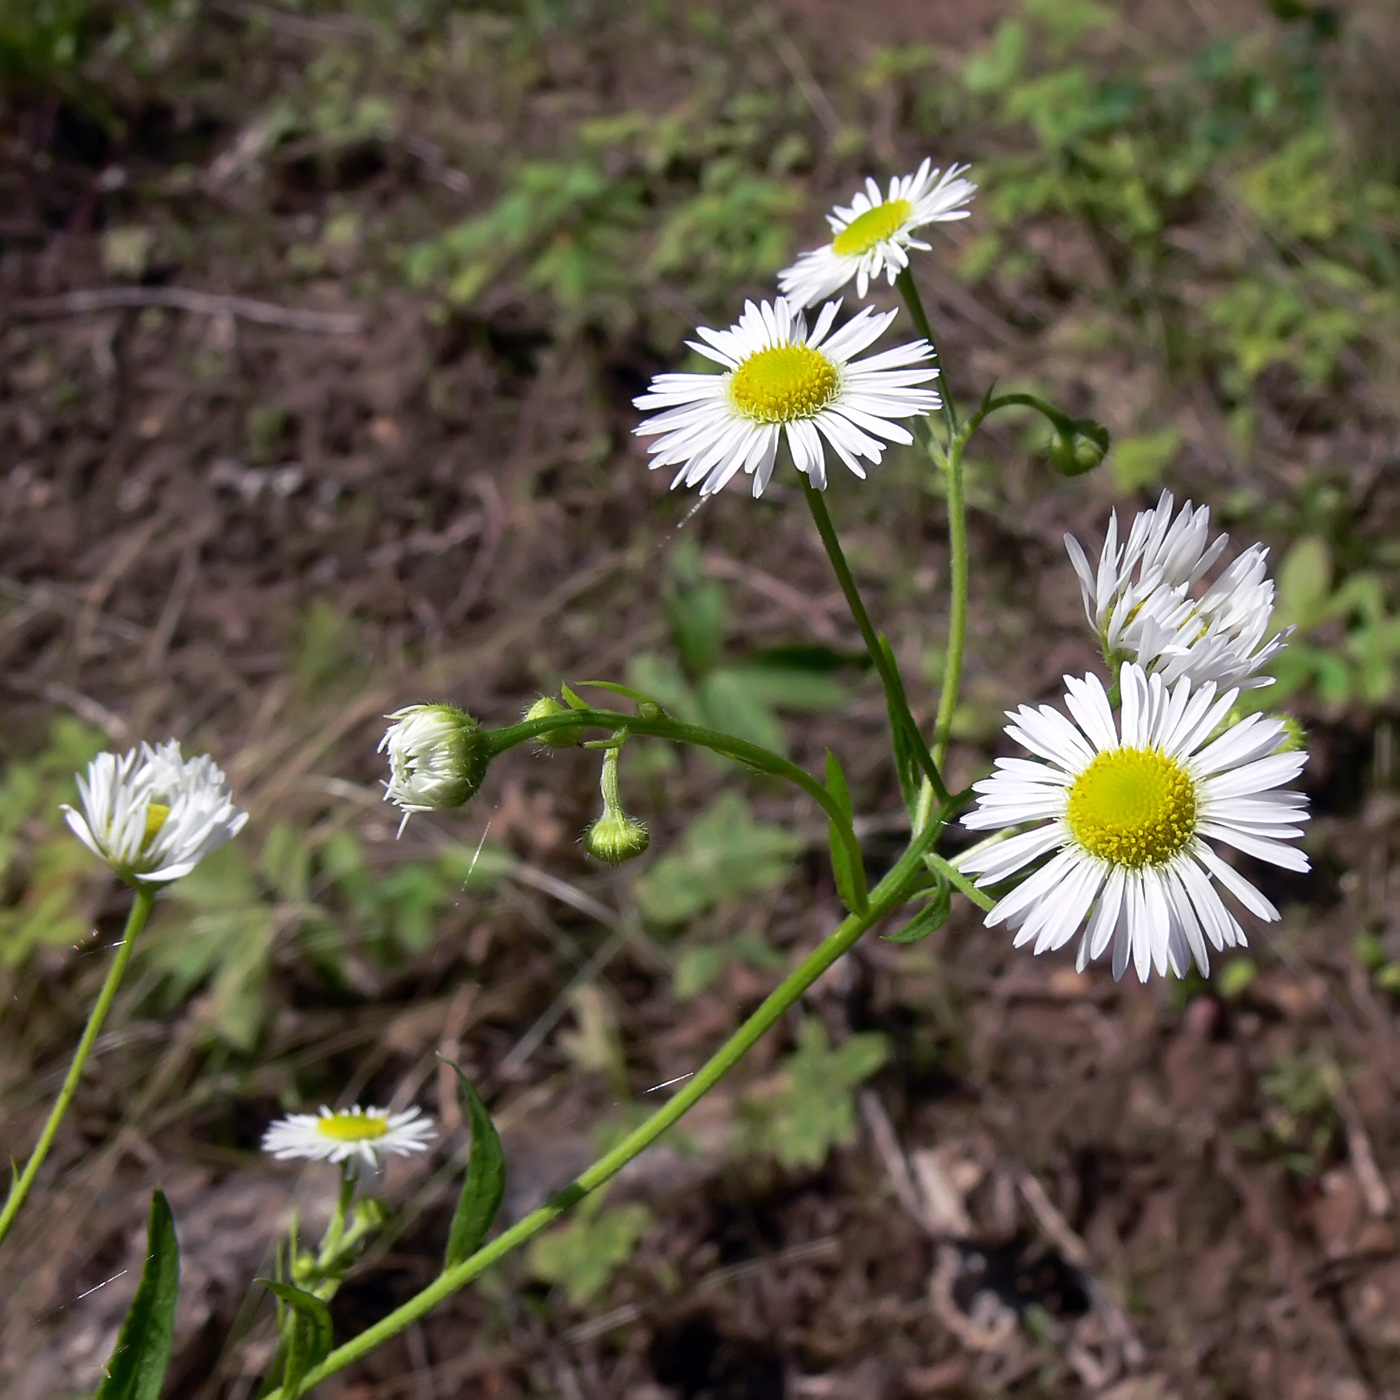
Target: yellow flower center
[874, 226]
[352, 1127]
[784, 382]
[1133, 807]
[156, 813]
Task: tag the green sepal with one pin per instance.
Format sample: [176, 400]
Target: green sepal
[850, 880]
[139, 1360]
[932, 916]
[311, 1335]
[908, 764]
[485, 1182]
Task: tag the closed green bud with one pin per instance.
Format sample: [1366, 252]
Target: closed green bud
[438, 756]
[1079, 448]
[1295, 737]
[546, 707]
[616, 837]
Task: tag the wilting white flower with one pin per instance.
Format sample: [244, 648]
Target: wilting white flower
[1125, 811]
[153, 815]
[874, 234]
[331, 1135]
[780, 379]
[437, 758]
[1142, 599]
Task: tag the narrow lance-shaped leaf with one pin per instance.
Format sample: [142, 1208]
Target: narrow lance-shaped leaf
[485, 1182]
[308, 1341]
[932, 916]
[850, 878]
[137, 1368]
[907, 763]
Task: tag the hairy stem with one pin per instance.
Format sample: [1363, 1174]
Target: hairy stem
[915, 306]
[135, 922]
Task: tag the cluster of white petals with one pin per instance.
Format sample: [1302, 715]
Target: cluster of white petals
[872, 236]
[1125, 807]
[153, 815]
[1144, 600]
[342, 1135]
[781, 380]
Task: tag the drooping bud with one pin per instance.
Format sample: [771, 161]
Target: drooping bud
[1079, 447]
[437, 758]
[616, 837]
[546, 707]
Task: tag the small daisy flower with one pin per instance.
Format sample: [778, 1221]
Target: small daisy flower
[153, 815]
[874, 234]
[437, 758]
[778, 380]
[344, 1135]
[1142, 600]
[1124, 812]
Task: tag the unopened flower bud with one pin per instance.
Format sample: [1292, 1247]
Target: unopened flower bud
[1295, 737]
[437, 758]
[546, 707]
[616, 837]
[1079, 449]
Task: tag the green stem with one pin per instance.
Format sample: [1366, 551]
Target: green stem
[135, 922]
[959, 881]
[889, 677]
[910, 293]
[662, 726]
[957, 605]
[887, 895]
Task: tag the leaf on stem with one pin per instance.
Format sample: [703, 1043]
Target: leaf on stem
[932, 916]
[308, 1341]
[850, 877]
[485, 1181]
[136, 1370]
[907, 760]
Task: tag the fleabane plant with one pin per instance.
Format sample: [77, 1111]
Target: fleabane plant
[1118, 824]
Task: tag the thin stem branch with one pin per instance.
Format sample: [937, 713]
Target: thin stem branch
[887, 895]
[957, 605]
[894, 688]
[135, 922]
[959, 881]
[664, 727]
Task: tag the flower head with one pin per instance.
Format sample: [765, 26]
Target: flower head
[153, 815]
[874, 234]
[437, 758]
[778, 379]
[1143, 603]
[1124, 811]
[342, 1135]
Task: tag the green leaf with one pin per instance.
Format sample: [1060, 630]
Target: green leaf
[816, 1109]
[932, 916]
[311, 1334]
[583, 1255]
[640, 696]
[136, 1370]
[850, 878]
[723, 853]
[485, 1182]
[730, 701]
[907, 764]
[1304, 583]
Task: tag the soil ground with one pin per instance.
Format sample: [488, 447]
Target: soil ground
[1059, 1186]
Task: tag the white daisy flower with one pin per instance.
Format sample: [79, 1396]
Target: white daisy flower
[874, 234]
[340, 1135]
[1124, 813]
[437, 758]
[780, 379]
[1142, 600]
[153, 815]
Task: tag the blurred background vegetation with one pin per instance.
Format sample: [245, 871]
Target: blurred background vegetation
[261, 537]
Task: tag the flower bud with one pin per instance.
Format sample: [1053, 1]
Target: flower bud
[616, 837]
[545, 708]
[1080, 449]
[437, 758]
